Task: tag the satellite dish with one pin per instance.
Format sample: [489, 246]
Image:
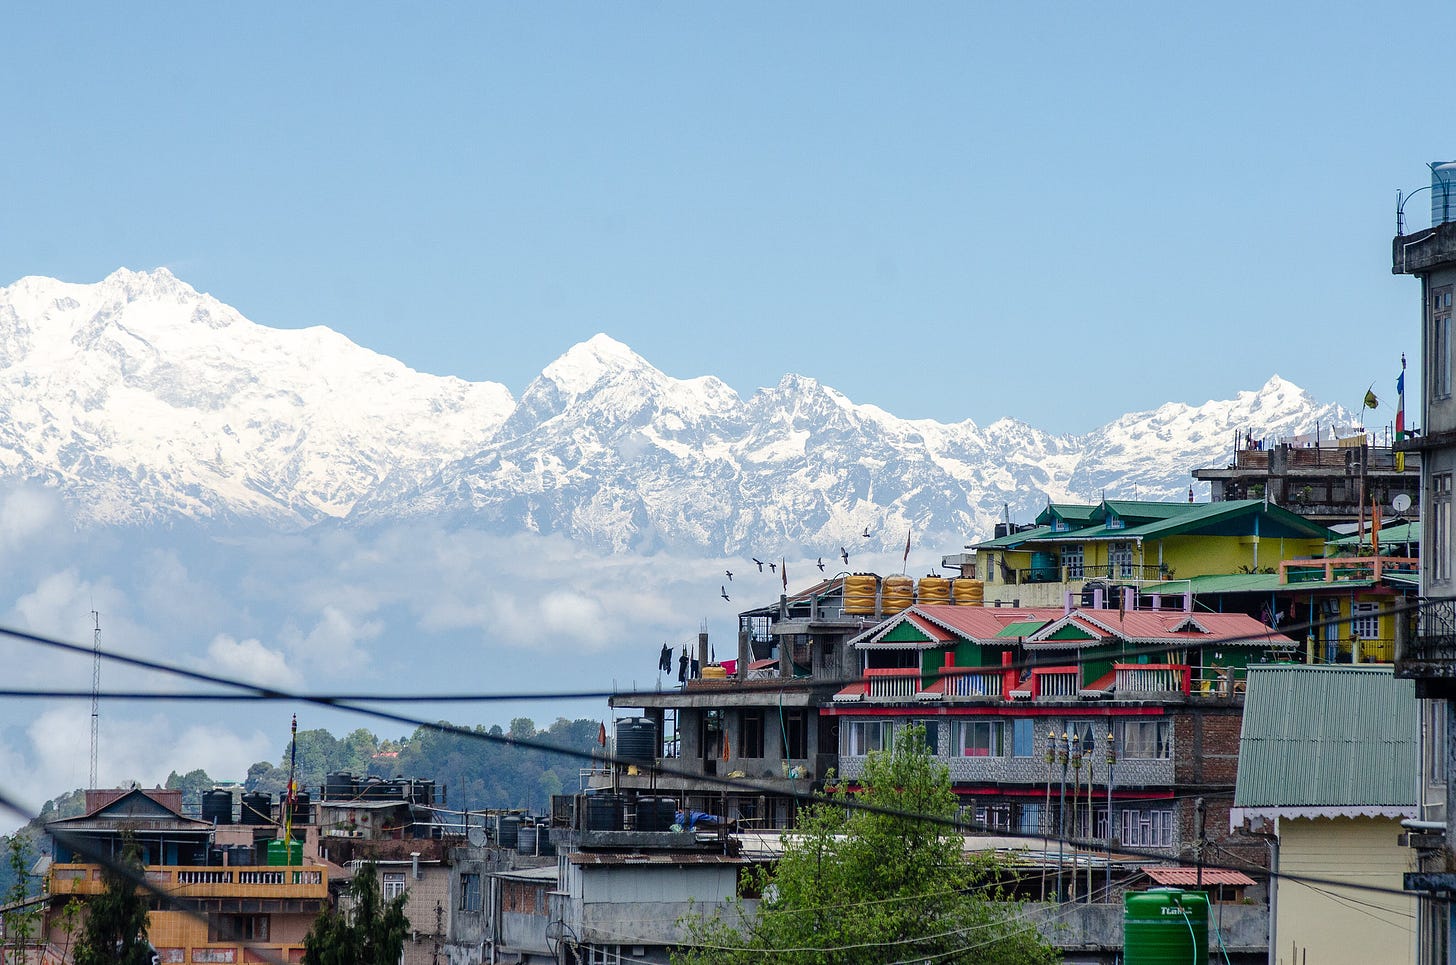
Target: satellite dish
[1401, 502]
[477, 837]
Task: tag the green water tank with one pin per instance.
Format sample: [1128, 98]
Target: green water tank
[285, 853]
[1165, 926]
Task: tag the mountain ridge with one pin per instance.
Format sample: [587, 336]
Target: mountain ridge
[142, 400]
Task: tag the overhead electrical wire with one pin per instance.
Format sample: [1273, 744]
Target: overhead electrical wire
[505, 739]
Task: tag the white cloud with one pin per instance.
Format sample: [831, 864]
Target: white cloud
[27, 511]
[250, 661]
[336, 640]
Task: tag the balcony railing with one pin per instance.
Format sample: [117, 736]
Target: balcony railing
[308, 881]
[1152, 678]
[973, 684]
[1331, 569]
[1079, 572]
[893, 683]
[1431, 654]
[1055, 682]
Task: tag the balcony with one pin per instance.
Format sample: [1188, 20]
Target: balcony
[194, 881]
[1334, 569]
[899, 683]
[1135, 680]
[1429, 655]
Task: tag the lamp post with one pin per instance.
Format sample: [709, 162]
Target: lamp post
[1074, 754]
[1111, 760]
[1062, 749]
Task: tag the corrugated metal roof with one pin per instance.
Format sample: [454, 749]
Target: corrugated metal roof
[1329, 737]
[1188, 877]
[1397, 533]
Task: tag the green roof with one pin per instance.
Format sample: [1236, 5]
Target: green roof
[1398, 533]
[1016, 539]
[1023, 629]
[1255, 583]
[1133, 509]
[1076, 514]
[1230, 518]
[1327, 737]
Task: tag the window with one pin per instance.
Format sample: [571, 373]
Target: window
[1440, 541]
[1441, 343]
[996, 817]
[238, 928]
[1365, 621]
[1434, 745]
[978, 738]
[1023, 737]
[1144, 739]
[1116, 522]
[796, 734]
[710, 735]
[1119, 558]
[750, 733]
[171, 954]
[932, 733]
[1031, 819]
[393, 884]
[1149, 829]
[863, 736]
[1072, 559]
[470, 892]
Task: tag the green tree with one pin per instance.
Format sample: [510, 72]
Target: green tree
[20, 924]
[115, 932]
[193, 785]
[888, 882]
[369, 931]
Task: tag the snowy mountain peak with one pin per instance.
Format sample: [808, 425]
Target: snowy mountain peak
[598, 359]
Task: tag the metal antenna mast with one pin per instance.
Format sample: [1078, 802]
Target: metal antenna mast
[95, 691]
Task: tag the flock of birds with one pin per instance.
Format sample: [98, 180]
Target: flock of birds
[774, 567]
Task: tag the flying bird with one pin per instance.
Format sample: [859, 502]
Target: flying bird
[759, 562]
[724, 591]
[773, 567]
[821, 564]
[729, 574]
[866, 533]
[844, 555]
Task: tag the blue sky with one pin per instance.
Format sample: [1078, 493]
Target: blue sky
[920, 205]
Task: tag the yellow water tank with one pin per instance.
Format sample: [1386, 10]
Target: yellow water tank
[859, 593]
[933, 589]
[968, 592]
[714, 672]
[897, 593]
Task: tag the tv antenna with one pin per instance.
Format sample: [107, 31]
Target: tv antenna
[95, 690]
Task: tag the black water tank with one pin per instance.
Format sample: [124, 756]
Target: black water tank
[655, 813]
[604, 812]
[637, 740]
[217, 806]
[526, 839]
[424, 792]
[257, 809]
[241, 855]
[302, 805]
[507, 830]
[338, 785]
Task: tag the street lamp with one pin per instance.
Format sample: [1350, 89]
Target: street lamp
[1111, 760]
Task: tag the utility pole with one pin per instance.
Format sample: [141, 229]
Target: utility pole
[95, 691]
[1198, 816]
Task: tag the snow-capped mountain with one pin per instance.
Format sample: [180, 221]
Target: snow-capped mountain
[143, 400]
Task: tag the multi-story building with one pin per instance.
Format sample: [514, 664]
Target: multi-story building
[1430, 656]
[208, 905]
[1082, 723]
[1330, 476]
[1088, 549]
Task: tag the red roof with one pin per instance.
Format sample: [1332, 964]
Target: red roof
[1188, 877]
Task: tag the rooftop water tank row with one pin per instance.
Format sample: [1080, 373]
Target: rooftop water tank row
[344, 786]
[863, 591]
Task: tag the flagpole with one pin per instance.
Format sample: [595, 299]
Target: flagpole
[292, 793]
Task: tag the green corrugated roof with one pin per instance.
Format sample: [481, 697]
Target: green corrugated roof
[1251, 583]
[1073, 513]
[1327, 737]
[1023, 629]
[1225, 518]
[1399, 533]
[1146, 511]
[1015, 539]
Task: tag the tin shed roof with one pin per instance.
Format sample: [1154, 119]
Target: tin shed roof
[1327, 742]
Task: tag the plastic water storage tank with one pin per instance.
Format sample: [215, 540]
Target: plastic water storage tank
[338, 786]
[967, 592]
[859, 593]
[1165, 926]
[257, 809]
[896, 593]
[637, 740]
[217, 807]
[526, 838]
[1043, 567]
[507, 830]
[655, 813]
[604, 812]
[933, 590]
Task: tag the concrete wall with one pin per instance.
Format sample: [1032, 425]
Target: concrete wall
[1340, 926]
[1094, 932]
